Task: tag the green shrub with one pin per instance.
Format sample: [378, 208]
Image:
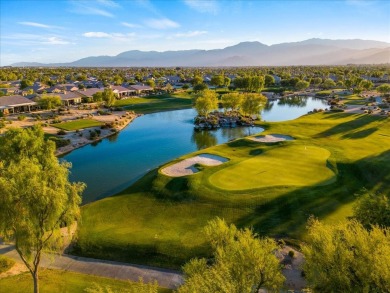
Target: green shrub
[21, 117]
[5, 263]
[61, 132]
[291, 253]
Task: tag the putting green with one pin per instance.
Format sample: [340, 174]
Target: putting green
[290, 165]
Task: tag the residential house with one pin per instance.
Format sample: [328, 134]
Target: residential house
[68, 98]
[122, 92]
[58, 88]
[89, 92]
[139, 89]
[37, 87]
[16, 104]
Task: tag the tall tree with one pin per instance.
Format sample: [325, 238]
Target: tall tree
[253, 103]
[347, 257]
[373, 209]
[384, 88]
[36, 197]
[109, 97]
[242, 263]
[49, 102]
[302, 85]
[232, 101]
[217, 80]
[205, 102]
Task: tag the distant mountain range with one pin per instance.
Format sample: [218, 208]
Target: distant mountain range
[309, 52]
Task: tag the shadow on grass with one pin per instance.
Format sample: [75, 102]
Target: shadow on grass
[287, 215]
[360, 134]
[348, 126]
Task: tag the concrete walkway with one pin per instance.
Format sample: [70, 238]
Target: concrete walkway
[110, 269]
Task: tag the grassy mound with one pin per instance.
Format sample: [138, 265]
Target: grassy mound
[159, 220]
[289, 165]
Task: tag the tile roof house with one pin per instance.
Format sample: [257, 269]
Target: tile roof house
[141, 88]
[69, 98]
[122, 92]
[69, 87]
[16, 104]
[88, 93]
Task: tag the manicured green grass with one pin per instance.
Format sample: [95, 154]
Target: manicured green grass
[289, 165]
[159, 220]
[157, 103]
[328, 92]
[62, 281]
[354, 100]
[77, 124]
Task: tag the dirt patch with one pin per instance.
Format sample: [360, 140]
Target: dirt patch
[187, 166]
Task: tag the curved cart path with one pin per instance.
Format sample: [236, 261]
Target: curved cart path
[110, 269]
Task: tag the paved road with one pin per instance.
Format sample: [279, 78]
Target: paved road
[110, 269]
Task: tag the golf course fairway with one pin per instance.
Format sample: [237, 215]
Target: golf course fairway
[287, 165]
[272, 188]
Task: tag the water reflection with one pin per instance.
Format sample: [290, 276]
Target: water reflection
[203, 139]
[151, 140]
[297, 101]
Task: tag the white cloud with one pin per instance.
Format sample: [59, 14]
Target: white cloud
[34, 24]
[108, 3]
[130, 25]
[116, 36]
[162, 23]
[89, 8]
[204, 6]
[55, 41]
[189, 34]
[96, 35]
[35, 39]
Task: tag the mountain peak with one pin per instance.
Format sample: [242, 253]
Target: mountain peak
[314, 51]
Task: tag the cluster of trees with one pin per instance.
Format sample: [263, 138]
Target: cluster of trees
[247, 103]
[242, 262]
[250, 83]
[49, 102]
[107, 96]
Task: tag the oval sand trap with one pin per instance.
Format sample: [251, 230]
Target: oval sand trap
[285, 166]
[270, 138]
[186, 167]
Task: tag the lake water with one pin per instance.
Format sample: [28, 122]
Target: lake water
[151, 140]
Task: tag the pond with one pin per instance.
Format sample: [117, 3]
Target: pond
[112, 164]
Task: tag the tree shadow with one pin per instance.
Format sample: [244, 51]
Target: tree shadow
[348, 126]
[287, 215]
[360, 134]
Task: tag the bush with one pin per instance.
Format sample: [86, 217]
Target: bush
[291, 253]
[61, 132]
[5, 263]
[21, 117]
[60, 142]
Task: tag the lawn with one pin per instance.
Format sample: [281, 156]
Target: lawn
[283, 166]
[159, 220]
[63, 281]
[156, 103]
[328, 92]
[354, 100]
[77, 124]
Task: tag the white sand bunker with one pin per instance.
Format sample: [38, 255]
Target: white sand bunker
[186, 167]
[271, 138]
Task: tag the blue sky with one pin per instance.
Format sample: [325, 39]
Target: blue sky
[62, 31]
